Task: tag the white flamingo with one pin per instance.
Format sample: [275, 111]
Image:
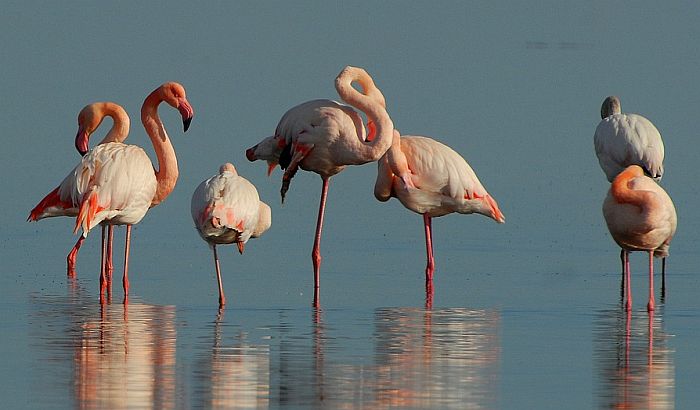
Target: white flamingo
[640, 217]
[324, 136]
[226, 209]
[431, 179]
[622, 140]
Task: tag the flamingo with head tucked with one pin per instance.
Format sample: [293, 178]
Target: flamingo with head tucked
[623, 139]
[324, 136]
[116, 184]
[640, 217]
[226, 209]
[431, 179]
[59, 203]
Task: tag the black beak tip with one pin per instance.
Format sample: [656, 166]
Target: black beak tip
[186, 123]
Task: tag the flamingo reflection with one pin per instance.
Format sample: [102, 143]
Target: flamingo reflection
[126, 358]
[235, 375]
[635, 364]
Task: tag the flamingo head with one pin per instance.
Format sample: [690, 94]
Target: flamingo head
[227, 167]
[89, 118]
[269, 149]
[174, 94]
[611, 106]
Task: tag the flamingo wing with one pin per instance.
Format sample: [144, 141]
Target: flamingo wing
[115, 182]
[629, 139]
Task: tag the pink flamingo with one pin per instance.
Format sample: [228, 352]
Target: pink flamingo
[226, 209]
[116, 184]
[640, 217]
[59, 203]
[431, 179]
[324, 136]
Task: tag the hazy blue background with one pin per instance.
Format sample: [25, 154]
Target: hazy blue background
[515, 87]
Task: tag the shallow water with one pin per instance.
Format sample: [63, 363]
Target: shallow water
[525, 315]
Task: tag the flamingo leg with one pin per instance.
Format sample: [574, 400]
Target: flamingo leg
[316, 252]
[651, 304]
[430, 266]
[628, 303]
[103, 278]
[663, 279]
[109, 265]
[73, 255]
[125, 278]
[222, 298]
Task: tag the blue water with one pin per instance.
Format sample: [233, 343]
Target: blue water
[525, 315]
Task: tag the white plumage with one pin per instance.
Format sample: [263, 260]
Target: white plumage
[121, 178]
[443, 181]
[226, 209]
[431, 179]
[622, 140]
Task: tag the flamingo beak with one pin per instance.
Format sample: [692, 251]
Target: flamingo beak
[186, 111]
[250, 153]
[241, 247]
[81, 141]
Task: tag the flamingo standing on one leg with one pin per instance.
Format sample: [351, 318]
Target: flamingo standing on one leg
[116, 183]
[431, 179]
[622, 140]
[226, 209]
[58, 202]
[640, 217]
[324, 136]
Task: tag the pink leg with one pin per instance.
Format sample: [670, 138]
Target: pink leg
[109, 265]
[430, 267]
[316, 252]
[125, 278]
[222, 298]
[73, 255]
[651, 304]
[628, 304]
[103, 278]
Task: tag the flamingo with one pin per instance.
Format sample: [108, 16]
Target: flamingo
[324, 136]
[116, 184]
[640, 217]
[59, 203]
[431, 179]
[622, 140]
[226, 209]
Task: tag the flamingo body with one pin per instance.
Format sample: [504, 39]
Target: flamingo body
[114, 183]
[226, 209]
[640, 217]
[627, 139]
[443, 181]
[648, 224]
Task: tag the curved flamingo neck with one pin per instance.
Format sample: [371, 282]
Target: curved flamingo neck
[372, 103]
[167, 172]
[120, 128]
[396, 157]
[621, 191]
